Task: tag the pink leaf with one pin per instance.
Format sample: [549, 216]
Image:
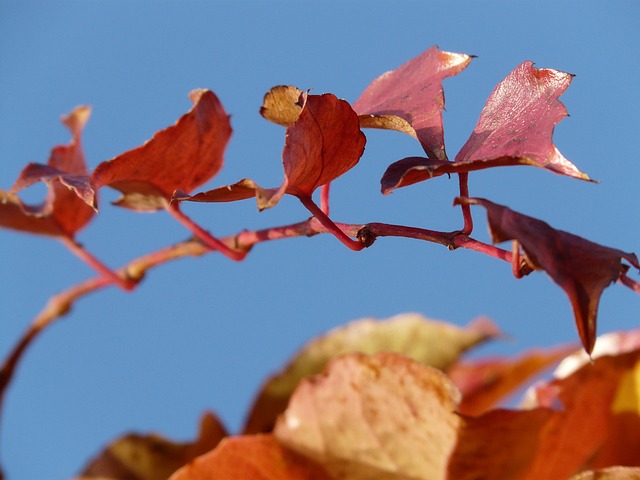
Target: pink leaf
[410, 98]
[514, 128]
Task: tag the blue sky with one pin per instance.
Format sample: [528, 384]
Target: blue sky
[204, 333]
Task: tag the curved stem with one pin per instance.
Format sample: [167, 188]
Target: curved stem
[209, 240]
[310, 205]
[123, 282]
[515, 259]
[463, 180]
[627, 282]
[324, 198]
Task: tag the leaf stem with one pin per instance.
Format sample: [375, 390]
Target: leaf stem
[628, 282]
[324, 198]
[463, 181]
[317, 212]
[125, 283]
[209, 240]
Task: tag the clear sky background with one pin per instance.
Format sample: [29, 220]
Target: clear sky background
[204, 333]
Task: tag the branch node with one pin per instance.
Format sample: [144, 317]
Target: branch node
[366, 236]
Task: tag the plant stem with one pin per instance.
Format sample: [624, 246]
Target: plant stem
[123, 282]
[310, 205]
[209, 240]
[388, 230]
[463, 180]
[627, 282]
[324, 198]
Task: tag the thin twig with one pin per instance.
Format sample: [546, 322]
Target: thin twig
[123, 282]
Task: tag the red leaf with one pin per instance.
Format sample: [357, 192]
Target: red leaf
[68, 205]
[255, 457]
[180, 157]
[514, 128]
[410, 98]
[322, 144]
[582, 268]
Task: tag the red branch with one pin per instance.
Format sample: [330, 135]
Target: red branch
[240, 244]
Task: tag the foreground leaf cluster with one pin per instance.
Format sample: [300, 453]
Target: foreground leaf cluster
[397, 399]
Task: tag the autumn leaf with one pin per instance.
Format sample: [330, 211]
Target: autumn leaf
[485, 382]
[349, 418]
[410, 99]
[612, 473]
[582, 268]
[585, 417]
[281, 105]
[499, 445]
[322, 144]
[67, 207]
[180, 157]
[515, 128]
[255, 457]
[429, 342]
[152, 457]
[597, 424]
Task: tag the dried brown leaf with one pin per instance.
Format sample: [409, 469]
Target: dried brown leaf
[281, 105]
[152, 457]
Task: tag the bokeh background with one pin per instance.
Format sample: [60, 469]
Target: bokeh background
[204, 333]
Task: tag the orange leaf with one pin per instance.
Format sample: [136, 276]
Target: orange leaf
[180, 157]
[589, 430]
[498, 445]
[485, 382]
[582, 268]
[257, 457]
